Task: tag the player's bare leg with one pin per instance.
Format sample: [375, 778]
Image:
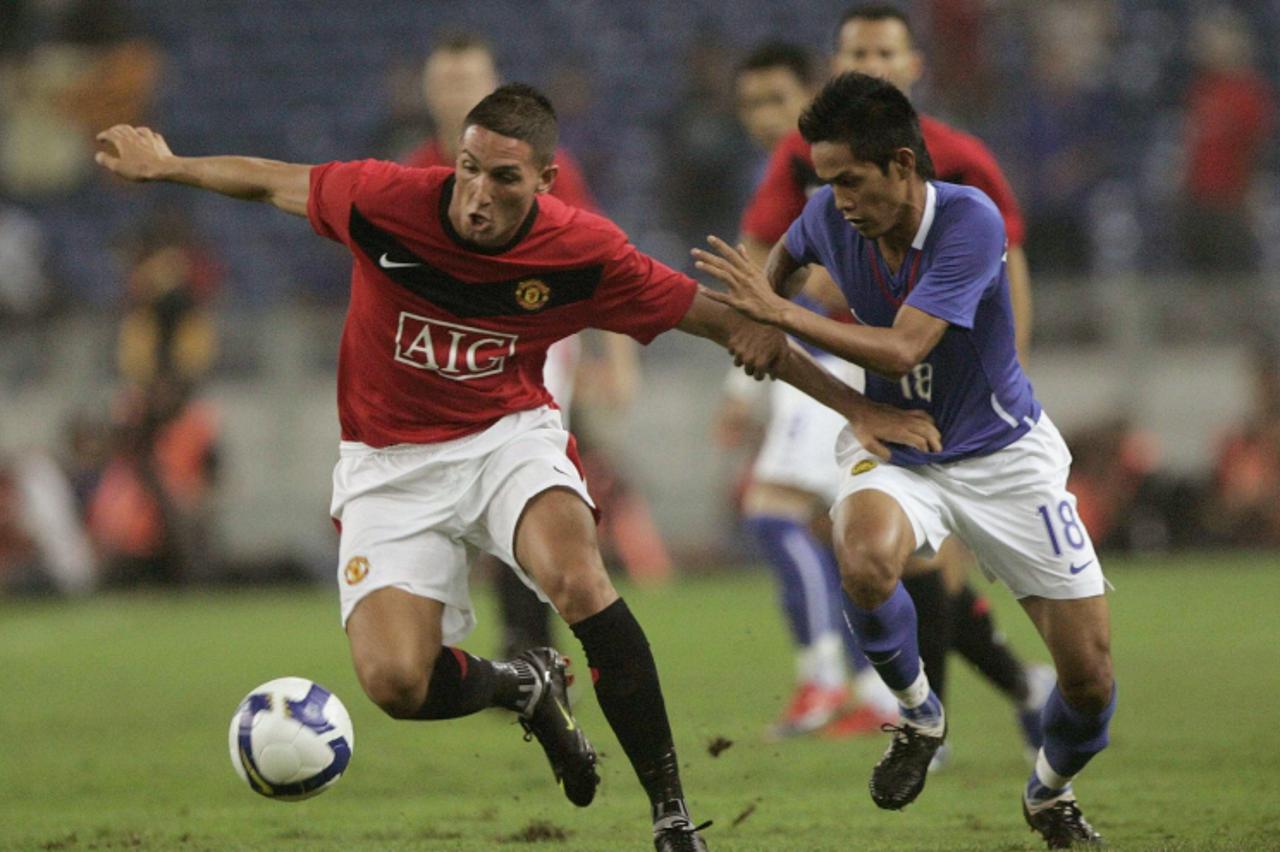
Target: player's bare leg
[874, 538]
[952, 617]
[395, 640]
[1077, 716]
[397, 650]
[555, 543]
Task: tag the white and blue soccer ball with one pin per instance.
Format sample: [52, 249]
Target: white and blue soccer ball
[291, 739]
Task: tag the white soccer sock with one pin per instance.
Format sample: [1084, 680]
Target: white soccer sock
[872, 691]
[822, 662]
[915, 694]
[1046, 776]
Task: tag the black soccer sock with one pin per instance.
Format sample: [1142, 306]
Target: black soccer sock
[975, 637]
[933, 617]
[526, 620]
[626, 681]
[462, 684]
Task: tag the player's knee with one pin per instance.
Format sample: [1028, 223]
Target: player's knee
[579, 589]
[869, 571]
[399, 687]
[1089, 688]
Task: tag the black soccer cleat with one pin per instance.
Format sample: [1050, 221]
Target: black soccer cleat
[1062, 825]
[549, 718]
[900, 775]
[680, 836]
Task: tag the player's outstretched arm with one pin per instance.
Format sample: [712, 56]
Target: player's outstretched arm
[891, 352]
[141, 154]
[873, 424]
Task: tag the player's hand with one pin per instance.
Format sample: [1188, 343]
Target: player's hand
[876, 425]
[757, 349]
[749, 290]
[133, 153]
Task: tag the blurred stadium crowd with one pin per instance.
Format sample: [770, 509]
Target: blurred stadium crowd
[1138, 135]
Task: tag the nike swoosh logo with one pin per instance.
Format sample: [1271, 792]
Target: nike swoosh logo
[1075, 570]
[557, 469]
[572, 726]
[387, 263]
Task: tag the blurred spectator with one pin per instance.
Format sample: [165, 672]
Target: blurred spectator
[1066, 138]
[150, 514]
[1229, 121]
[81, 66]
[1245, 503]
[706, 178]
[1111, 466]
[167, 332]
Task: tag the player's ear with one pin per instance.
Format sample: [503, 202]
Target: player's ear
[915, 66]
[547, 177]
[903, 163]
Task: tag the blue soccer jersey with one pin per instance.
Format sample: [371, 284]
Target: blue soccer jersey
[971, 383]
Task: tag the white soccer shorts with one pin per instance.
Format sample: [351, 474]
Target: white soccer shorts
[800, 439]
[1011, 507]
[412, 515]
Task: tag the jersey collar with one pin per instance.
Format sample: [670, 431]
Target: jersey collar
[446, 195]
[926, 221]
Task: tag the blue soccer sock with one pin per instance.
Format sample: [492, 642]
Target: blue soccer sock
[1071, 739]
[887, 635]
[808, 578]
[852, 650]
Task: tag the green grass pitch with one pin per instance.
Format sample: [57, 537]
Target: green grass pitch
[114, 715]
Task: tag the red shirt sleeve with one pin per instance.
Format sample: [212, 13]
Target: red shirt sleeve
[335, 186]
[639, 296]
[781, 196]
[570, 186]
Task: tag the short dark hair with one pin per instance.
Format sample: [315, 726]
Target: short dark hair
[520, 112]
[460, 41]
[875, 12]
[870, 116]
[779, 54]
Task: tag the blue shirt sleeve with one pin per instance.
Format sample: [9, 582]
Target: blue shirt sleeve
[966, 261]
[800, 239]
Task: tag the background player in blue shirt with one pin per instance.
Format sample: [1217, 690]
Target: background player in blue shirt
[922, 266]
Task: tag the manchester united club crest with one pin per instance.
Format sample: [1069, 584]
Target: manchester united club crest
[532, 294]
[357, 569]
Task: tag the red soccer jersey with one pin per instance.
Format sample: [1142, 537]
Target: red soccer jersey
[570, 186]
[957, 158]
[442, 337]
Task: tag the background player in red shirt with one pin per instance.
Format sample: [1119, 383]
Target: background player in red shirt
[877, 40]
[460, 282]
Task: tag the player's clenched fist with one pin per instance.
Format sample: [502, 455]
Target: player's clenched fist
[133, 153]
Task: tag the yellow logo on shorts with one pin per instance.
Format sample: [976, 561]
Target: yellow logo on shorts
[357, 569]
[532, 294]
[864, 466]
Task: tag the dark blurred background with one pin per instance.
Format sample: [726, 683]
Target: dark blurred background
[166, 374]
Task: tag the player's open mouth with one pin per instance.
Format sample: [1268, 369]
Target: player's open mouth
[477, 220]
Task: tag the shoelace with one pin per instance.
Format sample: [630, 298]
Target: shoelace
[687, 827]
[1072, 815]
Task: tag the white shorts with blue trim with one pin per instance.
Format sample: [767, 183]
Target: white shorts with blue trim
[413, 515]
[800, 439]
[1012, 508]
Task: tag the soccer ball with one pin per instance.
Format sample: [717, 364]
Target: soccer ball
[291, 739]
